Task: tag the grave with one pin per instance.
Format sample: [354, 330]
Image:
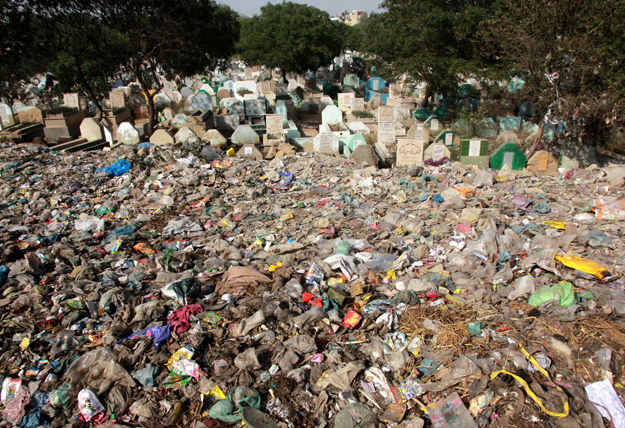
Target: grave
[332, 121]
[200, 122]
[386, 132]
[385, 114]
[63, 126]
[448, 138]
[223, 93]
[474, 147]
[345, 101]
[127, 134]
[244, 134]
[30, 115]
[214, 138]
[543, 163]
[184, 135]
[72, 101]
[419, 132]
[409, 152]
[91, 129]
[249, 150]
[202, 102]
[481, 161]
[351, 80]
[326, 142]
[436, 152]
[168, 89]
[141, 112]
[510, 154]
[324, 102]
[161, 137]
[282, 110]
[358, 127]
[6, 115]
[161, 101]
[509, 124]
[255, 108]
[228, 123]
[358, 104]
[375, 84]
[355, 141]
[117, 99]
[186, 92]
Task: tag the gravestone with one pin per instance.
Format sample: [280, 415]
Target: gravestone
[358, 104]
[142, 112]
[474, 147]
[355, 141]
[250, 151]
[409, 152]
[375, 84]
[168, 89]
[447, 138]
[229, 85]
[386, 132]
[326, 142]
[202, 102]
[168, 114]
[117, 100]
[265, 87]
[359, 128]
[394, 90]
[509, 154]
[345, 101]
[186, 92]
[351, 80]
[30, 115]
[184, 135]
[137, 99]
[127, 134]
[282, 110]
[161, 101]
[331, 115]
[223, 93]
[255, 107]
[207, 88]
[248, 73]
[177, 97]
[71, 101]
[6, 115]
[436, 152]
[434, 125]
[274, 124]
[91, 129]
[324, 102]
[214, 138]
[419, 132]
[108, 134]
[386, 114]
[244, 134]
[543, 163]
[161, 137]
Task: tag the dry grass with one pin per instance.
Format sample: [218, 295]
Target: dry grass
[454, 323]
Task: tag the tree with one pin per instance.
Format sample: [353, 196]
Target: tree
[434, 41]
[290, 36]
[22, 51]
[570, 55]
[154, 36]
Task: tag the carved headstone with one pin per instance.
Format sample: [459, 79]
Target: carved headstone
[409, 152]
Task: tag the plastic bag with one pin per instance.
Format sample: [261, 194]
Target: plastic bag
[15, 410]
[120, 167]
[605, 210]
[584, 265]
[60, 396]
[10, 387]
[548, 292]
[182, 289]
[4, 274]
[89, 224]
[240, 396]
[355, 415]
[450, 412]
[89, 405]
[157, 334]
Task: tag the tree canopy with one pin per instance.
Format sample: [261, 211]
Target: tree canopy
[293, 37]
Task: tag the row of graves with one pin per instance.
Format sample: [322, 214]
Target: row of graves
[255, 110]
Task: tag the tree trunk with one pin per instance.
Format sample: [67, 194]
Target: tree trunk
[89, 89]
[532, 149]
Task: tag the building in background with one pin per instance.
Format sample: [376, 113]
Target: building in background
[350, 18]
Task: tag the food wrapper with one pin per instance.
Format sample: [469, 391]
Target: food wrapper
[351, 320]
[181, 354]
[9, 389]
[410, 387]
[584, 265]
[89, 405]
[211, 397]
[144, 248]
[314, 275]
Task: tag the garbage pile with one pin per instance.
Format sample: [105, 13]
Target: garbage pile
[160, 286]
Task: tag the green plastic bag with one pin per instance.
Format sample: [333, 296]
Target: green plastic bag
[548, 292]
[241, 396]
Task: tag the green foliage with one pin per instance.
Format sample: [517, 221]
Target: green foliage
[359, 113]
[293, 37]
[432, 40]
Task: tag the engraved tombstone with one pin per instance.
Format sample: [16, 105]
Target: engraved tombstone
[409, 152]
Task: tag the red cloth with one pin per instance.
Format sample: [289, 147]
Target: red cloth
[179, 319]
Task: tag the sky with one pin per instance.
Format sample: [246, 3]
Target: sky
[333, 7]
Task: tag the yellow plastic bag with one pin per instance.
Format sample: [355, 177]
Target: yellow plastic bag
[560, 225]
[583, 265]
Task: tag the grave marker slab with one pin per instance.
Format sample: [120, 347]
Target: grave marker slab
[250, 151]
[71, 101]
[358, 104]
[6, 115]
[30, 115]
[437, 152]
[386, 132]
[481, 161]
[419, 132]
[355, 141]
[274, 124]
[215, 138]
[409, 152]
[161, 137]
[255, 107]
[474, 147]
[202, 101]
[117, 100]
[244, 134]
[345, 101]
[510, 154]
[543, 163]
[127, 134]
[386, 114]
[91, 129]
[326, 142]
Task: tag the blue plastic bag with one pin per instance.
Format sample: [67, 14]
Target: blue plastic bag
[158, 335]
[118, 168]
[4, 274]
